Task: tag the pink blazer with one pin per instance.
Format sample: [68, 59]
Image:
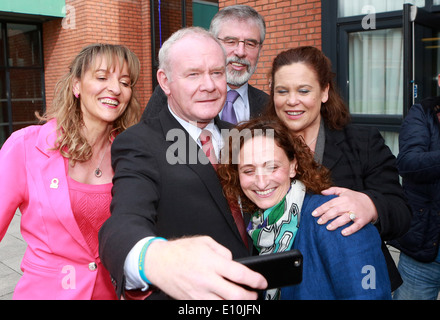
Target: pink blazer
[58, 263]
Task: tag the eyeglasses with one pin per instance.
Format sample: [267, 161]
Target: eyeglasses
[233, 42]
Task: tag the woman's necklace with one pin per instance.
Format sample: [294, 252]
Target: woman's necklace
[308, 144]
[98, 171]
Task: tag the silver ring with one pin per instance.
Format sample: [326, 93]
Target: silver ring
[352, 215]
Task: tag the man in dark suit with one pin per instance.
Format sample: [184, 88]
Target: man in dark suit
[242, 31]
[164, 186]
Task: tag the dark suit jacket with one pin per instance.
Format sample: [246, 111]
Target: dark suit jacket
[359, 160]
[257, 102]
[152, 197]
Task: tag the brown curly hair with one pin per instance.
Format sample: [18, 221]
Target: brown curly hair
[314, 176]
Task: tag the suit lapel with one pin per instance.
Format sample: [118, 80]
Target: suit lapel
[332, 151]
[257, 101]
[54, 181]
[205, 172]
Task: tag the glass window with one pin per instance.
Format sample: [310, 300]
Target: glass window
[4, 114]
[369, 58]
[348, 8]
[392, 141]
[24, 45]
[21, 77]
[2, 85]
[23, 113]
[2, 49]
[25, 84]
[26, 95]
[4, 124]
[437, 48]
[376, 72]
[4, 133]
[427, 68]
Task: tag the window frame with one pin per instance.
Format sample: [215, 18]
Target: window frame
[335, 33]
[383, 122]
[7, 69]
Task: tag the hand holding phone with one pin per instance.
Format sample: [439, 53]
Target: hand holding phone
[280, 269]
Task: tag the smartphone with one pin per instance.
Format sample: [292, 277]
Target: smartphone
[280, 269]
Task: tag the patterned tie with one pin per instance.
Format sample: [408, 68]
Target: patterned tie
[228, 113]
[207, 147]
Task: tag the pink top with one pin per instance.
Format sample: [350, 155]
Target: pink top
[91, 207]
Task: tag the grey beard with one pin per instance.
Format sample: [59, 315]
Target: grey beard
[237, 78]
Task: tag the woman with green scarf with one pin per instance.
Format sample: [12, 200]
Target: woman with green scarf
[272, 174]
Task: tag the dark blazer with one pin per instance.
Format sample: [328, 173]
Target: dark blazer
[257, 102]
[359, 160]
[152, 197]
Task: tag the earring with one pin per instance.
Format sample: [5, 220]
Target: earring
[76, 94]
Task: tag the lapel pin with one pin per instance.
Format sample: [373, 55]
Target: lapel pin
[54, 183]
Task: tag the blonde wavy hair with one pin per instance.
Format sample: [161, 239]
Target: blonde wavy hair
[66, 108]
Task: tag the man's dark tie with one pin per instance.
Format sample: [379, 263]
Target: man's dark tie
[207, 147]
[228, 113]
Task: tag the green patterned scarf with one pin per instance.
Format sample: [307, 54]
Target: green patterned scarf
[274, 229]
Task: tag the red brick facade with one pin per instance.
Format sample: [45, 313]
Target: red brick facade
[119, 22]
[289, 24]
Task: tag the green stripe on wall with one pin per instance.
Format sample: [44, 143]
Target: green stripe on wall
[36, 7]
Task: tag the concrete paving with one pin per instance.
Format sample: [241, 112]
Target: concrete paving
[12, 249]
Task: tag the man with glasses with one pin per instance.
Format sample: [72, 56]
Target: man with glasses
[241, 30]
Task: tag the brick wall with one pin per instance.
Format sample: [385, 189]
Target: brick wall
[170, 21]
[124, 22]
[289, 24]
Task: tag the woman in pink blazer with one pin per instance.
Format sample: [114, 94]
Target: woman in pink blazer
[59, 175]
